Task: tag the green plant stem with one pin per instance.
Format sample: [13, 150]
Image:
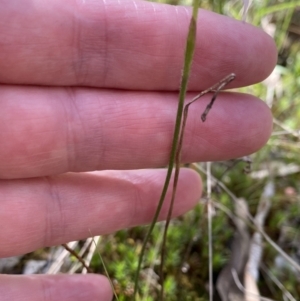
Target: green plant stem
[216, 89]
[275, 8]
[189, 52]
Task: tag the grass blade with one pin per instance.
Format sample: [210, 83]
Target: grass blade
[189, 52]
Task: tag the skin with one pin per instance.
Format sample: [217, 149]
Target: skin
[91, 86]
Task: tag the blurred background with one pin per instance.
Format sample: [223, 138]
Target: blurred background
[265, 186]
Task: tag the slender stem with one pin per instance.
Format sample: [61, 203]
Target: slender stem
[216, 88]
[209, 224]
[175, 181]
[80, 259]
[189, 52]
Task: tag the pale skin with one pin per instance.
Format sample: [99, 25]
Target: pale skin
[89, 86]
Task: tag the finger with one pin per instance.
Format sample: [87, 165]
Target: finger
[47, 131]
[125, 44]
[50, 211]
[53, 288]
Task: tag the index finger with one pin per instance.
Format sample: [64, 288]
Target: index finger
[126, 44]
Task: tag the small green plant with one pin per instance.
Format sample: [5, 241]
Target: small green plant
[185, 269]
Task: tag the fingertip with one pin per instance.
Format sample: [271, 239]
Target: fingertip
[255, 124]
[55, 287]
[260, 54]
[265, 122]
[238, 125]
[272, 55]
[90, 287]
[225, 45]
[99, 285]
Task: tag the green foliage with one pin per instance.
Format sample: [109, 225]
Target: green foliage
[186, 266]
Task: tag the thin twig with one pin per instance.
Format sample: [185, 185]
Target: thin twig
[80, 259]
[295, 133]
[103, 264]
[209, 222]
[156, 250]
[255, 227]
[188, 58]
[216, 89]
[94, 241]
[60, 254]
[286, 293]
[83, 250]
[242, 289]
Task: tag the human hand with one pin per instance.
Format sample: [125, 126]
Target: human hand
[89, 86]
